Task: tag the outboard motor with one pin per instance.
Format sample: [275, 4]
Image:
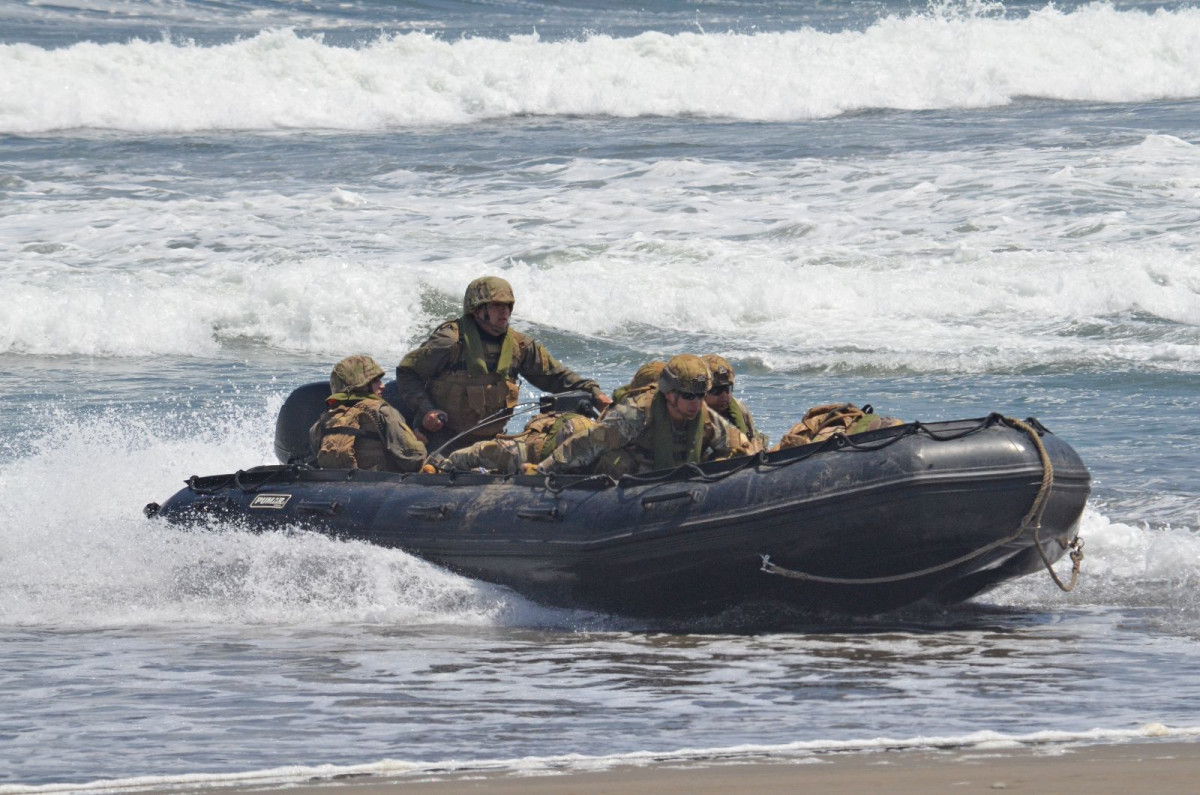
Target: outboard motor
[301, 409]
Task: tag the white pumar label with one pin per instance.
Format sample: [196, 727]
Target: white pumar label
[275, 501]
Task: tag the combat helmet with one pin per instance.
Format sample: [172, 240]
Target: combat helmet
[487, 290]
[722, 372]
[646, 376]
[685, 373]
[353, 373]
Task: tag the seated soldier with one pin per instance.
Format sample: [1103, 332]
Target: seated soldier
[721, 400]
[656, 429]
[360, 430]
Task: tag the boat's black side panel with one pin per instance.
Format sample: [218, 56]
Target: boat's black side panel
[893, 503]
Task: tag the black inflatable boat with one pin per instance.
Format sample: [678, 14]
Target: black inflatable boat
[861, 524]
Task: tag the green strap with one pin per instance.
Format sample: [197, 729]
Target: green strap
[664, 442]
[476, 361]
[346, 398]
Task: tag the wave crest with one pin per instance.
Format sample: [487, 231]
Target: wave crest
[280, 80]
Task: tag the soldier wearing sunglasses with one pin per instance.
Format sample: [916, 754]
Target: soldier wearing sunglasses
[657, 429]
[721, 400]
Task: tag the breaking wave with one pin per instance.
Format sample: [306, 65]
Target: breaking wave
[279, 79]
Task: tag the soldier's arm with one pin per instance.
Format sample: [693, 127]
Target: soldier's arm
[723, 438]
[582, 448]
[405, 449]
[758, 440]
[420, 365]
[314, 437]
[539, 367]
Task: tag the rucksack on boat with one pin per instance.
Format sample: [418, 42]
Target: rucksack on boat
[832, 419]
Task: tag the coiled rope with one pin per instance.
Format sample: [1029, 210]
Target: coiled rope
[1032, 521]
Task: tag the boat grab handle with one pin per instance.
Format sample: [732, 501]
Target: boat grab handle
[540, 514]
[430, 511]
[653, 499]
[323, 508]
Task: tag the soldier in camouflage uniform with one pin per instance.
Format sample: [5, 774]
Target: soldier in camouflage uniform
[655, 429]
[516, 453]
[360, 430]
[469, 368]
[721, 400]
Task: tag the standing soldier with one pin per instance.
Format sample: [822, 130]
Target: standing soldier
[468, 370]
[360, 430]
[721, 400]
[654, 429]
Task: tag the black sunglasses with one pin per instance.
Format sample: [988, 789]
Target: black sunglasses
[720, 390]
[691, 395]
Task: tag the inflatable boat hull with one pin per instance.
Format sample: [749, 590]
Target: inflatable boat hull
[864, 525]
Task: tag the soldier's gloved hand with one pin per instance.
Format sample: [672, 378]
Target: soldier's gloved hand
[529, 469]
[434, 421]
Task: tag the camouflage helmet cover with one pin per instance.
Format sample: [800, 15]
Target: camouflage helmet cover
[487, 290]
[722, 372]
[685, 373]
[353, 373]
[647, 374]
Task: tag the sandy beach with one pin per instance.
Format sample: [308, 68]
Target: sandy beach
[1146, 767]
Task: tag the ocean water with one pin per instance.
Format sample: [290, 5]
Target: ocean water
[943, 210]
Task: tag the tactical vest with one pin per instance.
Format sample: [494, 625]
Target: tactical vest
[479, 382]
[352, 438]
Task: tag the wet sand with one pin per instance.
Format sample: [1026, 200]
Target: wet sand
[1146, 767]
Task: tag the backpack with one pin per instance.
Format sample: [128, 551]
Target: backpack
[832, 419]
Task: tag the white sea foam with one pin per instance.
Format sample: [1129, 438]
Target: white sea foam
[279, 80]
[992, 312]
[77, 551]
[1123, 565]
[951, 262]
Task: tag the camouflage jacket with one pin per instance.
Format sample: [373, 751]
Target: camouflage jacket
[443, 357]
[629, 426]
[387, 444]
